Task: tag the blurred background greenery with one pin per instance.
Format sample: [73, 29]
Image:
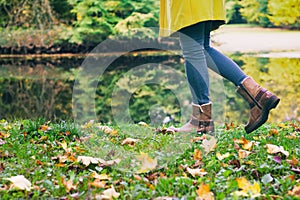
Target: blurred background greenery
[52, 23]
[34, 86]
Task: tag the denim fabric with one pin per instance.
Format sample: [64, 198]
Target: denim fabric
[199, 55]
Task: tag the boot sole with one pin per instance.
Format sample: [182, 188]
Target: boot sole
[271, 104]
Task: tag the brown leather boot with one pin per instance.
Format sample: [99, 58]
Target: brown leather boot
[261, 101]
[201, 120]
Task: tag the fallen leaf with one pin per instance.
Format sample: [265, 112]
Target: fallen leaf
[130, 141]
[277, 159]
[209, 144]
[143, 124]
[204, 192]
[98, 183]
[87, 160]
[295, 191]
[197, 154]
[2, 142]
[65, 146]
[196, 172]
[293, 162]
[108, 130]
[89, 124]
[243, 153]
[100, 176]
[221, 157]
[4, 135]
[296, 170]
[247, 189]
[267, 179]
[273, 132]
[19, 182]
[274, 149]
[246, 144]
[196, 139]
[44, 128]
[108, 194]
[69, 185]
[147, 163]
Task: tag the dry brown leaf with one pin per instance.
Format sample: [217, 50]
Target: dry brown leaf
[274, 149]
[221, 157]
[195, 139]
[98, 184]
[147, 163]
[69, 185]
[243, 153]
[204, 193]
[19, 182]
[130, 141]
[295, 191]
[196, 172]
[209, 144]
[294, 162]
[197, 154]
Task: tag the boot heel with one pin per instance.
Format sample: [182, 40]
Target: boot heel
[274, 101]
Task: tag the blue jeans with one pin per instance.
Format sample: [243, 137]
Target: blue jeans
[199, 56]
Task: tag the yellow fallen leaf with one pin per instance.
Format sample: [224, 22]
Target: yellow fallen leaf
[100, 176]
[246, 144]
[243, 153]
[221, 157]
[147, 163]
[129, 141]
[204, 193]
[19, 182]
[108, 194]
[108, 130]
[273, 149]
[197, 154]
[89, 124]
[247, 189]
[65, 146]
[196, 172]
[209, 144]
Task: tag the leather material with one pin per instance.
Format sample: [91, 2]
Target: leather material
[261, 101]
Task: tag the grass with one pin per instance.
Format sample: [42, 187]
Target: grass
[152, 165]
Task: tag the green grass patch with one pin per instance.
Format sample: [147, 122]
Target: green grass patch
[66, 161]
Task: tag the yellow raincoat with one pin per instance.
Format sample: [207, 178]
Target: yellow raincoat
[177, 14]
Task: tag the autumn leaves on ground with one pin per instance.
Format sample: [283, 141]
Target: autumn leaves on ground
[41, 160]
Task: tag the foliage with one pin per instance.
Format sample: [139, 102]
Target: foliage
[44, 159]
[284, 13]
[255, 11]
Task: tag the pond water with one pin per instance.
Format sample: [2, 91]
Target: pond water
[148, 87]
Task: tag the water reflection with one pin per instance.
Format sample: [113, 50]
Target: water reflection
[42, 87]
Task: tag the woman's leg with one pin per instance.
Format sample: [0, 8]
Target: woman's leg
[260, 100]
[220, 63]
[192, 44]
